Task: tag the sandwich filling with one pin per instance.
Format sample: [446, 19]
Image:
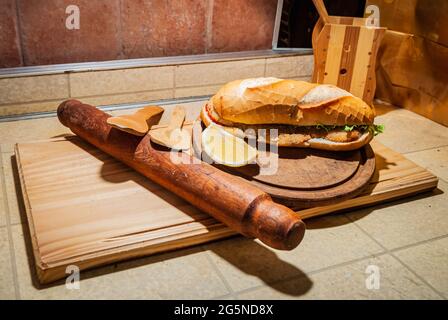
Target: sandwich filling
[296, 135]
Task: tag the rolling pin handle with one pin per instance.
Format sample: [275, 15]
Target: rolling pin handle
[275, 225]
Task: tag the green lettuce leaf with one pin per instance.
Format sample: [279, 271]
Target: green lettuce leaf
[375, 129]
[349, 128]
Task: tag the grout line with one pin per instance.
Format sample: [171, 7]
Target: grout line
[223, 297]
[346, 263]
[174, 82]
[209, 25]
[392, 253]
[201, 86]
[425, 149]
[265, 67]
[317, 271]
[415, 244]
[301, 78]
[120, 30]
[418, 243]
[108, 94]
[8, 228]
[173, 88]
[384, 252]
[12, 104]
[146, 91]
[417, 275]
[218, 272]
[121, 93]
[19, 34]
[69, 85]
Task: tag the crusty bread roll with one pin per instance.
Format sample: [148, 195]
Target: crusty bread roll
[272, 100]
[291, 106]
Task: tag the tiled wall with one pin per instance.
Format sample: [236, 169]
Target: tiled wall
[33, 32]
[27, 94]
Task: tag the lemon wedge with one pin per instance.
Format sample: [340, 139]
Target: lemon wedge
[225, 148]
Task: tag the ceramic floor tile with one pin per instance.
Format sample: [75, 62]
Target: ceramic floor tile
[13, 189]
[7, 290]
[3, 204]
[184, 274]
[245, 263]
[136, 97]
[196, 91]
[84, 84]
[435, 160]
[33, 88]
[30, 107]
[328, 241]
[408, 220]
[29, 130]
[193, 75]
[7, 147]
[305, 78]
[430, 261]
[406, 131]
[290, 67]
[353, 281]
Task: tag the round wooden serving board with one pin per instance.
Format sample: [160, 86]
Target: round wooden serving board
[308, 178]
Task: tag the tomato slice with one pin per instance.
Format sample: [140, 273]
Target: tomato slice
[210, 115]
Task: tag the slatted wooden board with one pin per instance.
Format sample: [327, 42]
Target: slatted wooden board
[345, 54]
[87, 209]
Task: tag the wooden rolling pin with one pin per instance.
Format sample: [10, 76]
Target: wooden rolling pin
[231, 200]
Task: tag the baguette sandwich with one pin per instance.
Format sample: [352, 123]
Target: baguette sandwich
[304, 114]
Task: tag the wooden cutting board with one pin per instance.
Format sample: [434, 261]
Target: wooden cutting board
[86, 208]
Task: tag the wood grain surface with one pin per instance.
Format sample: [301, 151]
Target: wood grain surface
[229, 199]
[345, 51]
[86, 208]
[305, 177]
[305, 168]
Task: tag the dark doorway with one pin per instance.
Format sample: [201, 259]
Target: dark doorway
[298, 18]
